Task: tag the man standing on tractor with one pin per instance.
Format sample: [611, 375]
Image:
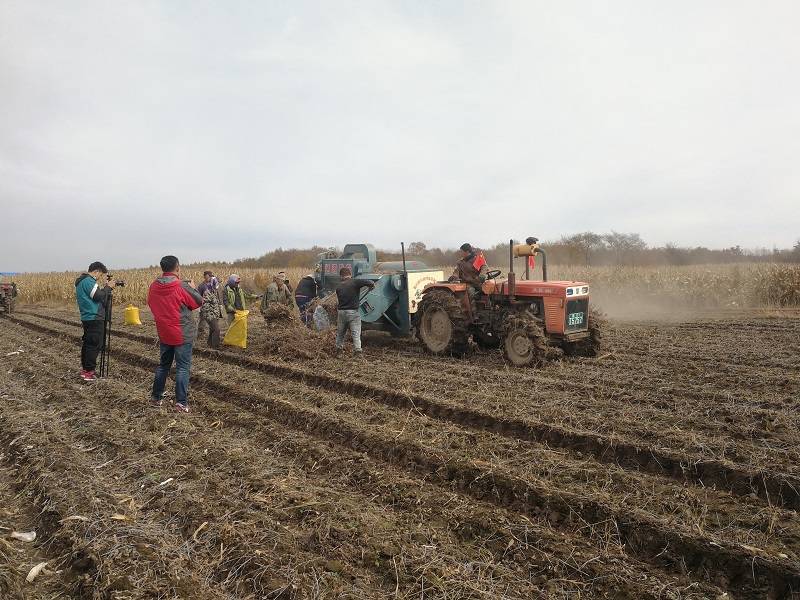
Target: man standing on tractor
[471, 267]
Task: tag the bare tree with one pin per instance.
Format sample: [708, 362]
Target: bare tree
[624, 245]
[586, 242]
[417, 248]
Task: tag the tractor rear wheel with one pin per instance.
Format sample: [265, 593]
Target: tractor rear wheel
[442, 324]
[524, 342]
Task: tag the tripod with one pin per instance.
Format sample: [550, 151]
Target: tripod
[106, 347]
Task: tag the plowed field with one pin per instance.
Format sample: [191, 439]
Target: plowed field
[666, 468]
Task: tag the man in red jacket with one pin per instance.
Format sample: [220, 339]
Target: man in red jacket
[172, 301]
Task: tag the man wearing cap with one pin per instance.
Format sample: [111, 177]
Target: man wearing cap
[234, 297]
[471, 267]
[211, 311]
[306, 292]
[278, 292]
[348, 293]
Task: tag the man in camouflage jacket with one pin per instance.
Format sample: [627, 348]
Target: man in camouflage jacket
[278, 292]
[471, 267]
[211, 310]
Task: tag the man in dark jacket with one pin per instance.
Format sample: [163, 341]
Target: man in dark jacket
[306, 291]
[471, 267]
[348, 292]
[92, 291]
[172, 301]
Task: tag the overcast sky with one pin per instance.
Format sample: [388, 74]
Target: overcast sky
[217, 130]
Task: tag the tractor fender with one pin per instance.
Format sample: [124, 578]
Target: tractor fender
[458, 289]
[453, 287]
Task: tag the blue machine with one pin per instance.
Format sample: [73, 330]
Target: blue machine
[390, 305]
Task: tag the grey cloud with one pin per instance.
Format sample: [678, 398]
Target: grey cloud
[226, 129]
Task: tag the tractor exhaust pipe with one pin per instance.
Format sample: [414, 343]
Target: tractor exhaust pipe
[512, 278]
[544, 264]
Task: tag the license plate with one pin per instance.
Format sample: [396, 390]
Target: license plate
[575, 319]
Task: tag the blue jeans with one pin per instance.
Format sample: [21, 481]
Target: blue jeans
[182, 355]
[302, 306]
[348, 319]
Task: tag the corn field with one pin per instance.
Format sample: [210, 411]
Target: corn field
[711, 286]
[59, 288]
[700, 286]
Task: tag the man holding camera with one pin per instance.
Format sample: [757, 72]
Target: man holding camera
[172, 301]
[92, 291]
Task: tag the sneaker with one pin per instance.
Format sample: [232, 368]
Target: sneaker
[156, 402]
[88, 375]
[182, 408]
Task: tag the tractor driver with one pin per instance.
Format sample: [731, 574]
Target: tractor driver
[471, 268]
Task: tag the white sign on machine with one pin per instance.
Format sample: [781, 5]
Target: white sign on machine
[417, 281]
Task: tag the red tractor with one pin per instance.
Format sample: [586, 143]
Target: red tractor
[529, 319]
[8, 296]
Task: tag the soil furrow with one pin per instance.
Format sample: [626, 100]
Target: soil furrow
[252, 540]
[642, 537]
[502, 543]
[777, 488]
[76, 521]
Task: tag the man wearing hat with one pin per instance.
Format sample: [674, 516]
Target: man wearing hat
[471, 267]
[348, 294]
[211, 310]
[306, 292]
[234, 297]
[278, 292]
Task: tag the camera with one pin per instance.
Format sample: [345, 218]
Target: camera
[120, 283]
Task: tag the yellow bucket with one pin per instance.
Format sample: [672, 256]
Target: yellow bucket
[132, 315]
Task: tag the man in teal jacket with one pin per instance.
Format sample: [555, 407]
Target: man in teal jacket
[92, 291]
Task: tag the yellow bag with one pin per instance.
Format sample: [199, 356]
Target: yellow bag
[132, 315]
[237, 332]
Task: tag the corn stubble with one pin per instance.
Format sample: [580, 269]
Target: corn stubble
[705, 286]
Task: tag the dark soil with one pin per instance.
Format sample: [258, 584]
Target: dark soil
[664, 468]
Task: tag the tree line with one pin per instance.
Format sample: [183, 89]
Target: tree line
[586, 248]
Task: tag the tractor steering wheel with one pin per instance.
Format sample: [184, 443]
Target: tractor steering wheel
[493, 273]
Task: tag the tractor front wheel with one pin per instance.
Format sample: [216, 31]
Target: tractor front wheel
[441, 323]
[591, 345]
[524, 341]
